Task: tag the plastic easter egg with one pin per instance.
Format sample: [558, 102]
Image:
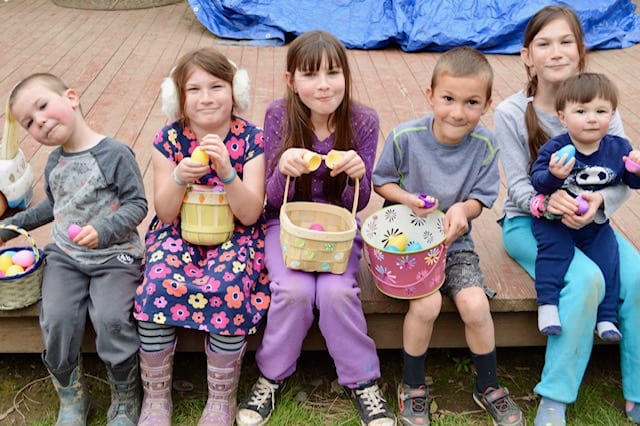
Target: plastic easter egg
[313, 160]
[316, 227]
[583, 205]
[1, 274]
[427, 200]
[14, 270]
[414, 247]
[5, 262]
[332, 158]
[200, 156]
[73, 230]
[632, 166]
[24, 258]
[398, 241]
[568, 150]
[392, 248]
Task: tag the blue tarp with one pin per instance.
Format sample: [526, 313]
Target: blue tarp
[492, 26]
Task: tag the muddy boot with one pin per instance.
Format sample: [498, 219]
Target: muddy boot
[125, 394]
[223, 375]
[156, 369]
[74, 397]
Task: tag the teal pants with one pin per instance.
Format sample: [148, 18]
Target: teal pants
[568, 354]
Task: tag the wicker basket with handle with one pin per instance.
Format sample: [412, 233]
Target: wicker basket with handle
[313, 250]
[22, 290]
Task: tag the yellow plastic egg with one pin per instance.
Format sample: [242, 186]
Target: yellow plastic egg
[5, 262]
[398, 241]
[14, 270]
[200, 156]
[332, 158]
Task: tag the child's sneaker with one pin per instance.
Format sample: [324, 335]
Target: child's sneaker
[256, 408]
[500, 406]
[413, 405]
[374, 410]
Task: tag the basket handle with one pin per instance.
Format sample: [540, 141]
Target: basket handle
[9, 145]
[27, 236]
[355, 196]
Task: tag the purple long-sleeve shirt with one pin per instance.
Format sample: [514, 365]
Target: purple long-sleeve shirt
[365, 124]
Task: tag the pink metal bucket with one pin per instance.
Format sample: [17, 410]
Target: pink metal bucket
[406, 274]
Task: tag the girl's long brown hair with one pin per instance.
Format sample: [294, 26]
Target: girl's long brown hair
[305, 54]
[537, 135]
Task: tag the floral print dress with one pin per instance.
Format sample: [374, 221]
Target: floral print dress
[222, 289]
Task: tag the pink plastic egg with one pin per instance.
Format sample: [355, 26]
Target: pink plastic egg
[583, 205]
[73, 230]
[24, 258]
[316, 227]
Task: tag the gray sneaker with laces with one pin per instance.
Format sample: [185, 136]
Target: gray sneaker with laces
[257, 407]
[374, 410]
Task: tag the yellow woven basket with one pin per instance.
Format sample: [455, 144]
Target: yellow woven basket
[19, 291]
[317, 251]
[206, 216]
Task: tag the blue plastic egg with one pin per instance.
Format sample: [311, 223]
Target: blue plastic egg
[568, 150]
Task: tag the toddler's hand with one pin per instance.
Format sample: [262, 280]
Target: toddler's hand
[416, 204]
[560, 169]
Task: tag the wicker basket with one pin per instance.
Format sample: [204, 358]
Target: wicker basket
[317, 251]
[206, 216]
[19, 291]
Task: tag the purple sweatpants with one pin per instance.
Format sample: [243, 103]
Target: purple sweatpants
[294, 294]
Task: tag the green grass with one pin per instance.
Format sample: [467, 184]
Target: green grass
[313, 397]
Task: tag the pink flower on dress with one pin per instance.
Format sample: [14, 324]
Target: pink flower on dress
[193, 271]
[179, 312]
[172, 245]
[151, 288]
[238, 320]
[160, 302]
[173, 260]
[228, 277]
[235, 147]
[159, 270]
[220, 320]
[215, 301]
[260, 139]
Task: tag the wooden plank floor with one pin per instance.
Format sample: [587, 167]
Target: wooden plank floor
[117, 59]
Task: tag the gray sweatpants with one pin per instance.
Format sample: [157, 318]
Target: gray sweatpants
[104, 291]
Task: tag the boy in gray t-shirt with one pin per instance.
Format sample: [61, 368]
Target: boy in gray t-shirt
[451, 157]
[93, 183]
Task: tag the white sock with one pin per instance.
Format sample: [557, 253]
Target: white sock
[608, 331]
[549, 320]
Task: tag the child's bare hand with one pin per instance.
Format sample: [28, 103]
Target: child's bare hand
[87, 237]
[292, 162]
[416, 204]
[559, 168]
[456, 223]
[575, 221]
[350, 163]
[213, 145]
[634, 156]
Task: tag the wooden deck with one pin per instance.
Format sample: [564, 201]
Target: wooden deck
[117, 59]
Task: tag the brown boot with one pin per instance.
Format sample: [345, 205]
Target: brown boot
[156, 369]
[223, 375]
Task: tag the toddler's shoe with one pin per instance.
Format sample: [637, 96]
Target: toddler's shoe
[500, 407]
[413, 405]
[633, 412]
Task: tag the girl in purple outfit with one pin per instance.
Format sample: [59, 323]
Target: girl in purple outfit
[317, 115]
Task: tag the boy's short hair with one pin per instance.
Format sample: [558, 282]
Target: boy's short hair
[51, 81]
[585, 87]
[463, 61]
